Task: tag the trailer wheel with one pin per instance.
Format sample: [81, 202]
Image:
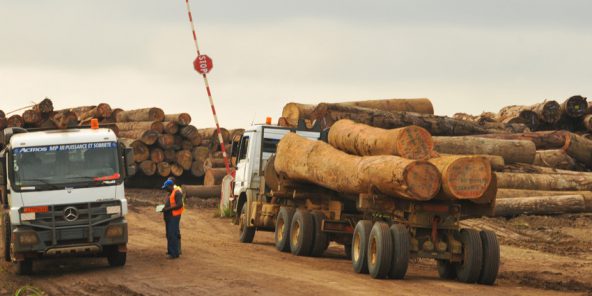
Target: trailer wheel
[24, 267]
[446, 270]
[469, 269]
[301, 233]
[246, 233]
[400, 257]
[6, 236]
[491, 258]
[380, 250]
[320, 241]
[359, 246]
[282, 229]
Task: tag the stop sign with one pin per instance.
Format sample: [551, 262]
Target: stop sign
[203, 64]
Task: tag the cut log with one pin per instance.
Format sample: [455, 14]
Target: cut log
[212, 134]
[587, 122]
[547, 111]
[113, 117]
[204, 192]
[32, 118]
[148, 167]
[164, 169]
[64, 119]
[214, 176]
[328, 114]
[197, 168]
[535, 169]
[46, 124]
[176, 170]
[3, 123]
[181, 119]
[214, 163]
[78, 110]
[200, 153]
[463, 177]
[558, 159]
[141, 151]
[519, 114]
[101, 111]
[15, 121]
[44, 107]
[497, 162]
[540, 205]
[411, 142]
[148, 137]
[511, 150]
[146, 114]
[166, 141]
[236, 134]
[316, 162]
[293, 112]
[517, 193]
[186, 145]
[170, 155]
[196, 141]
[2, 114]
[170, 127]
[505, 127]
[184, 159]
[544, 181]
[188, 132]
[178, 142]
[156, 126]
[574, 107]
[156, 155]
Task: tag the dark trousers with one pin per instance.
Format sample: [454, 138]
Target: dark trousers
[173, 234]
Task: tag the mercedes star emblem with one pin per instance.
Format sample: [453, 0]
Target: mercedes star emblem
[71, 214]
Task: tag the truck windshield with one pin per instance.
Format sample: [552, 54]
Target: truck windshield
[43, 166]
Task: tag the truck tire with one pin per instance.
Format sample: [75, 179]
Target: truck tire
[491, 257]
[246, 234]
[115, 257]
[380, 250]
[320, 240]
[360, 246]
[282, 229]
[6, 237]
[301, 233]
[400, 257]
[446, 270]
[24, 267]
[469, 269]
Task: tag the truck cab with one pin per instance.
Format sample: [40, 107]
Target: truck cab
[63, 193]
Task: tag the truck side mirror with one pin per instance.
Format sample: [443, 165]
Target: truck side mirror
[130, 165]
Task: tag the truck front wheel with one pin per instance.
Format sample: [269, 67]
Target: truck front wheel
[246, 233]
[6, 237]
[24, 267]
[115, 257]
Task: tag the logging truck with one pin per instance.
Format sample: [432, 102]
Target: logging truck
[62, 193]
[380, 232]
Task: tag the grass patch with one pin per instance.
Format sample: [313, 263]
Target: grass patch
[29, 291]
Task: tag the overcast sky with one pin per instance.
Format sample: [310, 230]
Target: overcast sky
[466, 56]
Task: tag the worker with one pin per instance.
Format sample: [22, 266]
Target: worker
[172, 211]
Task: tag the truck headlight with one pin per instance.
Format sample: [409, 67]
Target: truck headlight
[27, 216]
[27, 238]
[114, 231]
[113, 210]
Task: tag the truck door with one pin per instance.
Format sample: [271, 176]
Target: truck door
[241, 178]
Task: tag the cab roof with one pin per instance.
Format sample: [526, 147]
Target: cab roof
[65, 136]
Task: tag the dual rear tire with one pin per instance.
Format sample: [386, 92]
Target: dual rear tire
[300, 232]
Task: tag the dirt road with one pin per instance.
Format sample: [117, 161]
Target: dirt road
[215, 263]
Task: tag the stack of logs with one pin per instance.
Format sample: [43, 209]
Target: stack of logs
[164, 144]
[539, 170]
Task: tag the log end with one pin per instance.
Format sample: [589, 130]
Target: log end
[423, 180]
[467, 177]
[415, 143]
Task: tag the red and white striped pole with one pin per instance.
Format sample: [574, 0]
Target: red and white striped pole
[203, 64]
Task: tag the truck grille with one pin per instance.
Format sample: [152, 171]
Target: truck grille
[66, 216]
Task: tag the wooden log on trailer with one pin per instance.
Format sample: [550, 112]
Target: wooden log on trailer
[181, 119]
[141, 151]
[544, 181]
[148, 137]
[15, 121]
[511, 150]
[32, 118]
[463, 177]
[145, 114]
[156, 126]
[44, 107]
[170, 127]
[103, 110]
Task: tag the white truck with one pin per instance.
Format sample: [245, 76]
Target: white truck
[381, 234]
[62, 193]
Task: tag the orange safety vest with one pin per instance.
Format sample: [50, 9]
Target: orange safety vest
[177, 212]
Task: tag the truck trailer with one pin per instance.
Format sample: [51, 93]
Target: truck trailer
[380, 233]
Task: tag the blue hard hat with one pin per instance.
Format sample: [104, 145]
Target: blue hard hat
[167, 183]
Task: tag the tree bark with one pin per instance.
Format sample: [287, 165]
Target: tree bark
[540, 205]
[316, 162]
[575, 106]
[544, 181]
[156, 126]
[535, 169]
[170, 127]
[328, 114]
[181, 119]
[463, 177]
[199, 191]
[214, 176]
[176, 170]
[164, 169]
[184, 159]
[146, 114]
[44, 107]
[514, 193]
[411, 142]
[148, 137]
[511, 150]
[156, 155]
[148, 167]
[558, 159]
[141, 151]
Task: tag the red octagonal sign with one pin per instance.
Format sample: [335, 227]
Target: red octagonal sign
[203, 64]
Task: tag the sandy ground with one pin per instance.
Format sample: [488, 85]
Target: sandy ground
[540, 256]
